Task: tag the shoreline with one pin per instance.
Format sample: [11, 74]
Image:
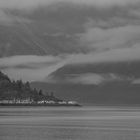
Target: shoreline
[47, 105]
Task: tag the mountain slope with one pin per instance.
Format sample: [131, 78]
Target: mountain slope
[17, 90]
[109, 94]
[117, 87]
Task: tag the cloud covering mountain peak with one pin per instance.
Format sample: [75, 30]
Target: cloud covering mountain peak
[43, 36]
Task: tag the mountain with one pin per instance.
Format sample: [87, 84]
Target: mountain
[118, 86]
[28, 41]
[126, 69]
[17, 90]
[43, 31]
[108, 94]
[17, 41]
[65, 30]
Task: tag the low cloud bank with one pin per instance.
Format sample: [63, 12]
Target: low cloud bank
[90, 78]
[30, 68]
[37, 68]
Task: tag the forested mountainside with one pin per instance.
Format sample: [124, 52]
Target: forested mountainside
[12, 90]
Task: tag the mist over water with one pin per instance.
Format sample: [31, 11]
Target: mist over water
[69, 123]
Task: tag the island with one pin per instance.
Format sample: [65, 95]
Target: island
[18, 93]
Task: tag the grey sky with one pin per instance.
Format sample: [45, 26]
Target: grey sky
[35, 3]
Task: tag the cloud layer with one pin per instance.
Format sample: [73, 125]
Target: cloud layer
[37, 68]
[109, 56]
[120, 37]
[31, 68]
[35, 3]
[94, 78]
[108, 32]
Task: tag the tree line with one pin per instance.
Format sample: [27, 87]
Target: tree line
[10, 90]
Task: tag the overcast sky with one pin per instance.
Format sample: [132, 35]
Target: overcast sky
[35, 3]
[104, 31]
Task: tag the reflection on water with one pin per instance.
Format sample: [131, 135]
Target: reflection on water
[69, 123]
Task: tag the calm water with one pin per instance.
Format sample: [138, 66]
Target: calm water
[69, 123]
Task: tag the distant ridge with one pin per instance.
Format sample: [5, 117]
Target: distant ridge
[115, 93]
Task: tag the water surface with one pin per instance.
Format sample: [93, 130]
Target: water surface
[69, 123]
